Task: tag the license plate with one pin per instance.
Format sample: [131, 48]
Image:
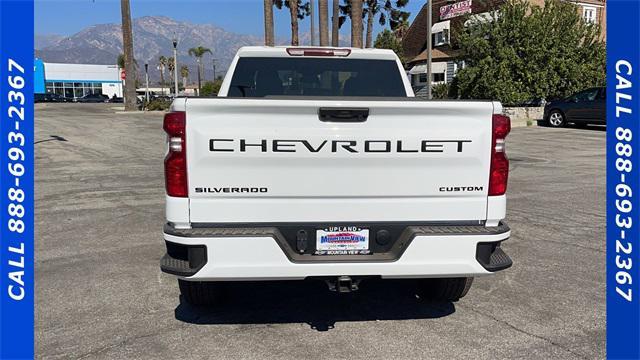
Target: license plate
[342, 240]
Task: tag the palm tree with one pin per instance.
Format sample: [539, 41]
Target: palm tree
[171, 66]
[372, 10]
[395, 17]
[323, 9]
[401, 29]
[127, 44]
[184, 72]
[199, 52]
[120, 61]
[297, 10]
[335, 24]
[162, 64]
[356, 23]
[268, 23]
[293, 9]
[388, 12]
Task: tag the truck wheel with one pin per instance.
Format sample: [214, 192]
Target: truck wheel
[200, 293]
[446, 289]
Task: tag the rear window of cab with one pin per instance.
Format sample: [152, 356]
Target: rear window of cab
[299, 76]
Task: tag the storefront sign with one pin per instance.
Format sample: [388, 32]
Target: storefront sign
[454, 10]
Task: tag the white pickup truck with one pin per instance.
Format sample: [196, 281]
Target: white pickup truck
[319, 163]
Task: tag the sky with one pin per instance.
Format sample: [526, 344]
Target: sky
[66, 17]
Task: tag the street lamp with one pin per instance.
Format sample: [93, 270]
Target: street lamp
[175, 65]
[146, 77]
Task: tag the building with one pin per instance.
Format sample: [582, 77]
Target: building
[77, 80]
[447, 16]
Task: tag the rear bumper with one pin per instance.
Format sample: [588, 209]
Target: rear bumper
[263, 253]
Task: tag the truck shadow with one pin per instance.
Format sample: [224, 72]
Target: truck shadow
[310, 302]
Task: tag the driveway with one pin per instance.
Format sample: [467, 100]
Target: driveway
[100, 293]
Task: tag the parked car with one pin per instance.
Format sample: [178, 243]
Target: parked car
[116, 100]
[586, 107]
[49, 97]
[93, 98]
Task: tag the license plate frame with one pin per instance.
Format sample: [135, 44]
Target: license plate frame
[342, 240]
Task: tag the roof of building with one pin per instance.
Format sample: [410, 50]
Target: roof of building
[414, 39]
[436, 54]
[590, 2]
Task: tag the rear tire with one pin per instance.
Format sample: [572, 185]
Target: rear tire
[446, 289]
[200, 293]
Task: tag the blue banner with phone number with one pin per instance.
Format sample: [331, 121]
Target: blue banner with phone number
[16, 180]
[623, 180]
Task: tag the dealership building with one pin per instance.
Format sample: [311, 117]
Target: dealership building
[76, 80]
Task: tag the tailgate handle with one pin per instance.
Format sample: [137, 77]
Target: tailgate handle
[343, 114]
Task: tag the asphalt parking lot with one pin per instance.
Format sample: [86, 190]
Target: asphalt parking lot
[100, 293]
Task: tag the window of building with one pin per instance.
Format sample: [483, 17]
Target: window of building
[97, 88]
[438, 77]
[589, 14]
[441, 38]
[68, 91]
[77, 92]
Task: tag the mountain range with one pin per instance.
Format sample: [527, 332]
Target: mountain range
[152, 37]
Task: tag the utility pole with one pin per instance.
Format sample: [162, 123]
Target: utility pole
[313, 25]
[175, 65]
[146, 79]
[429, 37]
[129, 62]
[214, 69]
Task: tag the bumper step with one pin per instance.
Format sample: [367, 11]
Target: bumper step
[183, 260]
[492, 257]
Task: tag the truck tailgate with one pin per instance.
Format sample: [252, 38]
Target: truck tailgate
[274, 160]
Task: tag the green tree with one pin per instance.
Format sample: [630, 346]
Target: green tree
[171, 66]
[298, 10]
[440, 91]
[198, 53]
[268, 23]
[323, 18]
[388, 40]
[335, 23]
[211, 88]
[184, 72]
[386, 12]
[527, 52]
[121, 64]
[162, 65]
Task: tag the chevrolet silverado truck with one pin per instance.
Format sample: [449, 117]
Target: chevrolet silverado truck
[319, 163]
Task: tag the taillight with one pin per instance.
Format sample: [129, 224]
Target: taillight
[299, 51]
[499, 173]
[175, 163]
